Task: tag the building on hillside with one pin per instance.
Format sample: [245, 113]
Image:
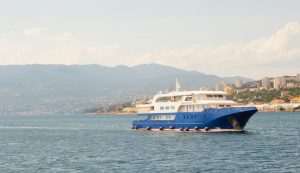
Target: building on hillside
[276, 101]
[265, 82]
[298, 77]
[129, 110]
[228, 90]
[279, 82]
[238, 83]
[295, 100]
[290, 85]
[284, 94]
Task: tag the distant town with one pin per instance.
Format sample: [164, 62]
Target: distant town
[269, 94]
[280, 93]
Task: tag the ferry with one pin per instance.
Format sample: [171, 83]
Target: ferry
[194, 111]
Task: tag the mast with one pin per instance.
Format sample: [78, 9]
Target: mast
[177, 85]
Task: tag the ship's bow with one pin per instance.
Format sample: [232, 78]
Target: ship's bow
[234, 118]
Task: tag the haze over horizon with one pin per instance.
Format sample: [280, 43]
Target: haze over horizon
[225, 38]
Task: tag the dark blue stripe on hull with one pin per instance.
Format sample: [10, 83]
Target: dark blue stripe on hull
[223, 118]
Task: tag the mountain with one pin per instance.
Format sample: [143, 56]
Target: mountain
[73, 88]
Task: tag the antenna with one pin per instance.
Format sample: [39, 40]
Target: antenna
[177, 85]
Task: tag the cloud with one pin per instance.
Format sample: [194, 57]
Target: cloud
[33, 31]
[276, 54]
[273, 55]
[44, 34]
[41, 46]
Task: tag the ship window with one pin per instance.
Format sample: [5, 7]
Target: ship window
[221, 105]
[172, 107]
[220, 96]
[163, 99]
[167, 107]
[188, 99]
[172, 98]
[162, 108]
[209, 96]
[177, 98]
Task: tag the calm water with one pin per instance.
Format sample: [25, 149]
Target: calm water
[105, 143]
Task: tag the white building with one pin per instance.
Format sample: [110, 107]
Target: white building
[298, 77]
[265, 82]
[238, 83]
[279, 82]
[290, 85]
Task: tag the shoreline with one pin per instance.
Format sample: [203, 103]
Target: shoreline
[110, 113]
[279, 111]
[125, 113]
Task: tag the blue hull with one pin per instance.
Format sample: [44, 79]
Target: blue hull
[234, 118]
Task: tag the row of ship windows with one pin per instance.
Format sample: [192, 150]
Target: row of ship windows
[171, 117]
[167, 107]
[202, 106]
[173, 107]
[163, 117]
[214, 96]
[191, 117]
[188, 98]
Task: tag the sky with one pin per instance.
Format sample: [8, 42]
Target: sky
[250, 38]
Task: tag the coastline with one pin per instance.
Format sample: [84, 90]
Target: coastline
[110, 113]
[133, 113]
[279, 111]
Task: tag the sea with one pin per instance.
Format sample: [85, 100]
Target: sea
[105, 143]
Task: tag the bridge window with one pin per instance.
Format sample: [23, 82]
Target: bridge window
[163, 99]
[188, 99]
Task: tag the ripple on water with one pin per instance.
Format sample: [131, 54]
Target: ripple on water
[106, 144]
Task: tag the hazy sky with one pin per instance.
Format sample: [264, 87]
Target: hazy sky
[251, 38]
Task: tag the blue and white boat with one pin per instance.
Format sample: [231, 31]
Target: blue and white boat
[192, 111]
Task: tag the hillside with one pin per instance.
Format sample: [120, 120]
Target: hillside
[73, 88]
